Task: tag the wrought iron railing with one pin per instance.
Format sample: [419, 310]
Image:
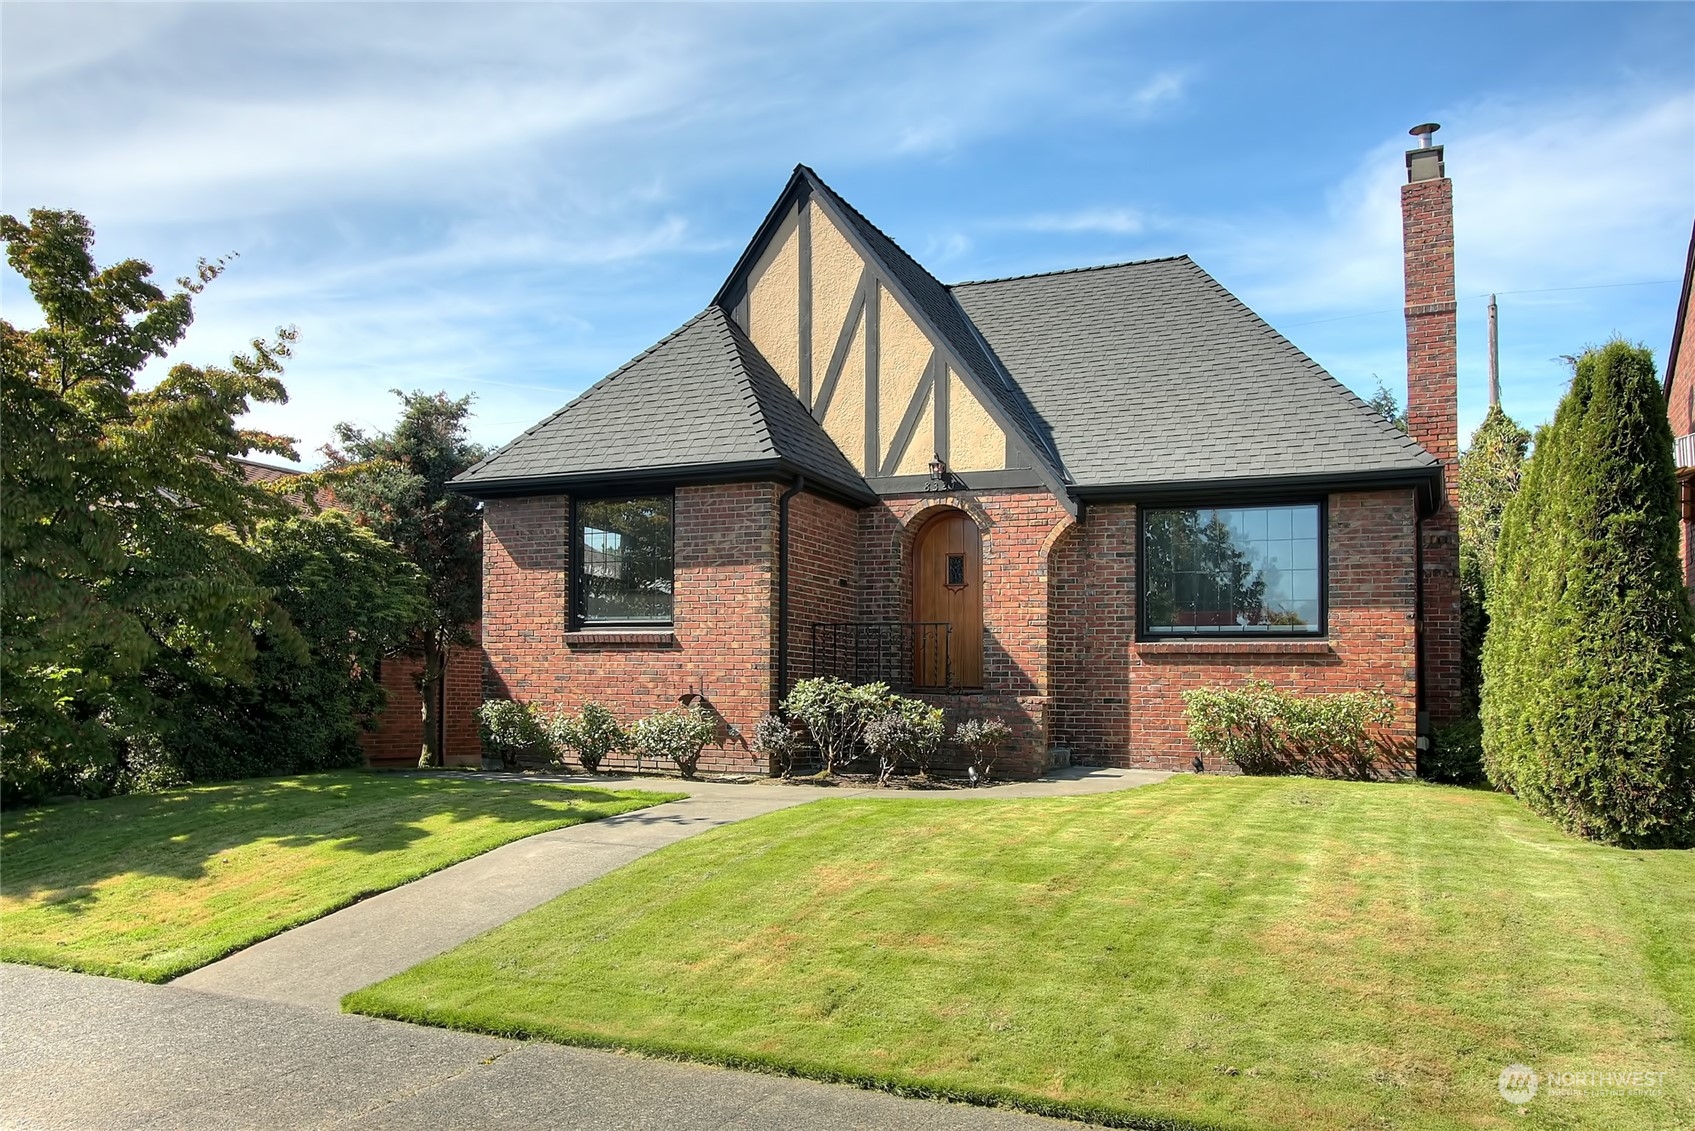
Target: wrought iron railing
[905, 655]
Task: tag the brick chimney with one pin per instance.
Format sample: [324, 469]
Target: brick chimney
[1427, 226]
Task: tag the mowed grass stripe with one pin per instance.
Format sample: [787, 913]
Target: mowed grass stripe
[1204, 952]
[152, 886]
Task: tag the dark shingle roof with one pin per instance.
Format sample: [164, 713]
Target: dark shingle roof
[1151, 374]
[703, 398]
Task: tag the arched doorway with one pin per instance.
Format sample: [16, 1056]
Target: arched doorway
[947, 588]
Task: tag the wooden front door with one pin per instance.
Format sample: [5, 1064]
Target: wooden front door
[947, 587]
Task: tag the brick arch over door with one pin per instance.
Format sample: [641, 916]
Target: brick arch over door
[947, 587]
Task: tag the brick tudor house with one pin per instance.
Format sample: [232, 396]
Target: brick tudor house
[1060, 499]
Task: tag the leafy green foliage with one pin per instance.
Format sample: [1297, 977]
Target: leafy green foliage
[982, 739]
[1589, 666]
[347, 598]
[592, 736]
[1388, 406]
[673, 736]
[510, 729]
[1265, 730]
[396, 483]
[1455, 755]
[908, 730]
[1489, 475]
[774, 738]
[836, 714]
[122, 511]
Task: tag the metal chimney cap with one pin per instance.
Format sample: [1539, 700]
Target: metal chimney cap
[1423, 132]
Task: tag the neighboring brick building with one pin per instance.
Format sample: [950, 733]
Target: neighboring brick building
[1060, 499]
[1680, 405]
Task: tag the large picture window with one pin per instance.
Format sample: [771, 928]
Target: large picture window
[622, 562]
[1245, 571]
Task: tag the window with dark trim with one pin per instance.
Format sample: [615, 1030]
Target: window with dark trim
[621, 562]
[1233, 571]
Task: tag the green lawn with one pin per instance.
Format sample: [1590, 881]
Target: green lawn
[154, 885]
[1205, 952]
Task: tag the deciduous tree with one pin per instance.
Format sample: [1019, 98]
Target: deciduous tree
[402, 495]
[123, 510]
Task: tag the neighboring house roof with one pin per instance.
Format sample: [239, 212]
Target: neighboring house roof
[1677, 342]
[1151, 375]
[703, 403]
[255, 472]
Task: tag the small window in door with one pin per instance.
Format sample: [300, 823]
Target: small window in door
[956, 571]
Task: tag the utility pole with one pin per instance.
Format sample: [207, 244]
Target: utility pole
[1494, 354]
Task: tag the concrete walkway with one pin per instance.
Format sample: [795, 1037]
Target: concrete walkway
[96, 1053]
[258, 1040]
[315, 965]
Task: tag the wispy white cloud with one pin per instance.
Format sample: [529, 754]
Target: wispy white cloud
[1111, 221]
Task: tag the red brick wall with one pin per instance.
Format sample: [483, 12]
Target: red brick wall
[1427, 220]
[725, 615]
[1680, 406]
[823, 573]
[1119, 702]
[400, 730]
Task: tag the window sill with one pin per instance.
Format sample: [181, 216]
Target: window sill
[1236, 647]
[649, 637]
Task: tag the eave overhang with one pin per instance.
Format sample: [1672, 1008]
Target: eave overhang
[598, 482]
[1253, 489]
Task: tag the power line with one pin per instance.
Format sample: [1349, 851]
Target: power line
[1486, 294]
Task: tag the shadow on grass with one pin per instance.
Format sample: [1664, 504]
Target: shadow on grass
[180, 835]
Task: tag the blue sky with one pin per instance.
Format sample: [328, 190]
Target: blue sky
[513, 200]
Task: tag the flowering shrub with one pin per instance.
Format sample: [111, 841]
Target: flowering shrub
[836, 714]
[1267, 731]
[675, 736]
[591, 736]
[510, 728]
[776, 739]
[909, 729]
[982, 739]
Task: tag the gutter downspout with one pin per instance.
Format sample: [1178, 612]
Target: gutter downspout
[782, 684]
[1421, 709]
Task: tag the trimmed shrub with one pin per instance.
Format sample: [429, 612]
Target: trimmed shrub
[982, 739]
[836, 714]
[673, 736]
[776, 739]
[592, 736]
[1263, 730]
[909, 730]
[1589, 667]
[512, 729]
[1455, 755]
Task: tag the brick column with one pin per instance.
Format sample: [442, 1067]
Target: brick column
[1427, 224]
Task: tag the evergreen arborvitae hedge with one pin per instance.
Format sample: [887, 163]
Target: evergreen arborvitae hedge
[1489, 474]
[1589, 666]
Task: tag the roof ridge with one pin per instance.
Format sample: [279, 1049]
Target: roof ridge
[584, 395]
[866, 220]
[1072, 270]
[744, 375]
